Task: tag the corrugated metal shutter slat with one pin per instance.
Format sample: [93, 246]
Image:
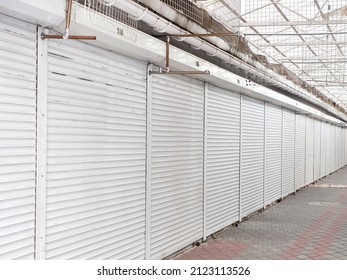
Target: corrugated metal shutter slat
[252, 155]
[96, 154]
[288, 152]
[300, 147]
[223, 156]
[273, 149]
[176, 164]
[17, 138]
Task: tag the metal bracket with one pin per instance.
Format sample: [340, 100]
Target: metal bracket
[167, 68]
[66, 36]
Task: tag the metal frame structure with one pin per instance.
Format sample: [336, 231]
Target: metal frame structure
[307, 37]
[67, 35]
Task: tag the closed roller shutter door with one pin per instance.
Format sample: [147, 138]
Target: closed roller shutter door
[328, 148]
[333, 159]
[273, 150]
[288, 152]
[96, 154]
[322, 149]
[309, 151]
[300, 151]
[223, 158]
[341, 148]
[177, 163]
[317, 145]
[17, 138]
[252, 156]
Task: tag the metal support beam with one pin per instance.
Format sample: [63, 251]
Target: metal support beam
[167, 59]
[67, 36]
[291, 23]
[299, 44]
[43, 36]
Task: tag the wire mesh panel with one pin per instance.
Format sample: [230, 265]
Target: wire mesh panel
[106, 8]
[307, 38]
[187, 8]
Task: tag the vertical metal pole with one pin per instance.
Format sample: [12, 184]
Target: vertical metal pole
[265, 158]
[240, 164]
[41, 150]
[314, 149]
[167, 53]
[282, 139]
[148, 162]
[68, 19]
[305, 153]
[320, 150]
[205, 162]
[295, 147]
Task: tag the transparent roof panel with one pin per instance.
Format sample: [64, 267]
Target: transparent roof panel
[309, 37]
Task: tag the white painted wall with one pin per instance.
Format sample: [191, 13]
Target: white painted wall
[43, 12]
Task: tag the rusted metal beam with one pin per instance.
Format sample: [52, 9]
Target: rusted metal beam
[71, 37]
[167, 64]
[67, 36]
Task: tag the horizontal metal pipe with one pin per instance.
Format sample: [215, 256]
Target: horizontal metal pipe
[164, 71]
[43, 36]
[197, 35]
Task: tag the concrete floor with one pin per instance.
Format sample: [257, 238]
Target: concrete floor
[309, 225]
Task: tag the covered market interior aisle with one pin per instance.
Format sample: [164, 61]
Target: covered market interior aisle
[317, 231]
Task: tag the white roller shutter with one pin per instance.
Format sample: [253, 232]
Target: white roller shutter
[344, 147]
[328, 149]
[96, 153]
[223, 158]
[288, 152]
[177, 163]
[17, 138]
[300, 146]
[273, 153]
[323, 143]
[333, 148]
[252, 155]
[340, 147]
[317, 145]
[309, 151]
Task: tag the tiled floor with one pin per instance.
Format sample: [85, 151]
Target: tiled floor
[309, 225]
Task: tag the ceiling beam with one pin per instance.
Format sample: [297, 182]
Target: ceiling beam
[309, 43]
[291, 23]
